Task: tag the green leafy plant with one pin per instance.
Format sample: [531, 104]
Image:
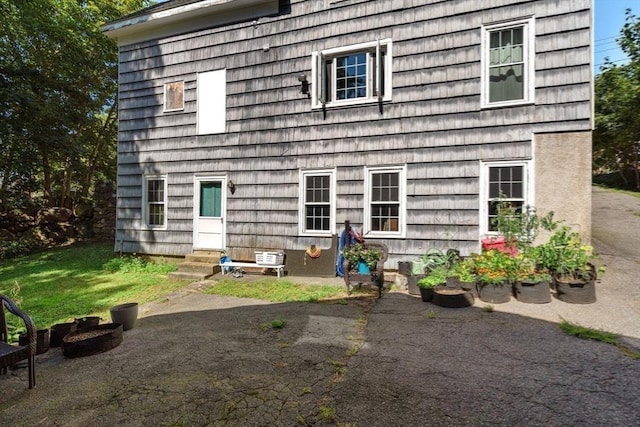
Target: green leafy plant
[360, 252]
[278, 323]
[463, 270]
[435, 258]
[437, 276]
[566, 256]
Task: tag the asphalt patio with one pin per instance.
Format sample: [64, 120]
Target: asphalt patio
[196, 359]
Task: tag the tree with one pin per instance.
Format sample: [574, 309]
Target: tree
[617, 102]
[58, 86]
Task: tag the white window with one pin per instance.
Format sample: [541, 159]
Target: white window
[174, 96]
[212, 94]
[508, 63]
[154, 204]
[352, 75]
[317, 202]
[385, 195]
[506, 181]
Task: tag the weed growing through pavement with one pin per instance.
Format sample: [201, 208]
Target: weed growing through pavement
[488, 308]
[430, 314]
[327, 413]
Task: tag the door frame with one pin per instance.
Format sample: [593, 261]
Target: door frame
[196, 207]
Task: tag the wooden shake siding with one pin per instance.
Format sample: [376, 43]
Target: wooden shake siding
[434, 123]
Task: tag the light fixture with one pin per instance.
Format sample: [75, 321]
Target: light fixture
[304, 84]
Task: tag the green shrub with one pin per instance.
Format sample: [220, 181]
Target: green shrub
[133, 264]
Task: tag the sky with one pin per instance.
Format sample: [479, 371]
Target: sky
[609, 18]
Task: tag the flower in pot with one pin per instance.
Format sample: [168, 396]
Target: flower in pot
[531, 281]
[492, 269]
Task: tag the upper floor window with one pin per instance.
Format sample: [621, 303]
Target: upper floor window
[353, 74]
[174, 96]
[212, 102]
[317, 202]
[385, 194]
[507, 63]
[503, 181]
[154, 204]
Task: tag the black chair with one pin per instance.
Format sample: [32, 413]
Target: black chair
[12, 354]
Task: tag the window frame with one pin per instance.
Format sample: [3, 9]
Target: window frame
[527, 188]
[164, 105]
[145, 202]
[318, 59]
[528, 40]
[302, 216]
[402, 202]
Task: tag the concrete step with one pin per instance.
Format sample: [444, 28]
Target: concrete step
[198, 267]
[182, 275]
[207, 258]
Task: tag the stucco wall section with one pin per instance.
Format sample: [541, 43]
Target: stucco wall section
[563, 178]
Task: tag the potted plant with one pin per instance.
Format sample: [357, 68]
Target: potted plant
[362, 257]
[492, 276]
[571, 264]
[532, 281]
[436, 277]
[462, 276]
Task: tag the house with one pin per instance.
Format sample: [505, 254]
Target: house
[265, 124]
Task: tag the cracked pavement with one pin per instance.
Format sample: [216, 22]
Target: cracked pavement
[203, 360]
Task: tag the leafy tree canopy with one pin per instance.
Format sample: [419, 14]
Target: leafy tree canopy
[617, 102]
[58, 85]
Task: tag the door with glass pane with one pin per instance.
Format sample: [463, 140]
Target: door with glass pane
[209, 209]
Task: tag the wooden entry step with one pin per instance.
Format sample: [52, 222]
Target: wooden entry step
[198, 266]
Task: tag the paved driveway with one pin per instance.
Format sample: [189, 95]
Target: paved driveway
[205, 360]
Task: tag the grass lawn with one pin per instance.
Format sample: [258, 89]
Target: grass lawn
[86, 279]
[62, 284]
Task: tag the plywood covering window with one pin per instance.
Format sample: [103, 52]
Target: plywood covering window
[385, 194]
[317, 202]
[507, 63]
[503, 181]
[174, 96]
[353, 74]
[155, 201]
[212, 102]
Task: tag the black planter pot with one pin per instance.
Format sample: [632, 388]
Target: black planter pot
[404, 268]
[42, 340]
[412, 284]
[532, 292]
[125, 314]
[470, 287]
[494, 293]
[426, 294]
[59, 330]
[89, 321]
[575, 291]
[452, 298]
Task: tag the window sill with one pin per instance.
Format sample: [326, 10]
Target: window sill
[316, 234]
[496, 105]
[339, 104]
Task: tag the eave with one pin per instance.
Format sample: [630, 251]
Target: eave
[186, 18]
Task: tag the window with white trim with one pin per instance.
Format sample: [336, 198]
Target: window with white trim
[317, 202]
[503, 181]
[385, 195]
[173, 96]
[508, 63]
[353, 74]
[154, 193]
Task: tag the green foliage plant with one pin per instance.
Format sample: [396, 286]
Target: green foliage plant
[463, 270]
[360, 252]
[435, 277]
